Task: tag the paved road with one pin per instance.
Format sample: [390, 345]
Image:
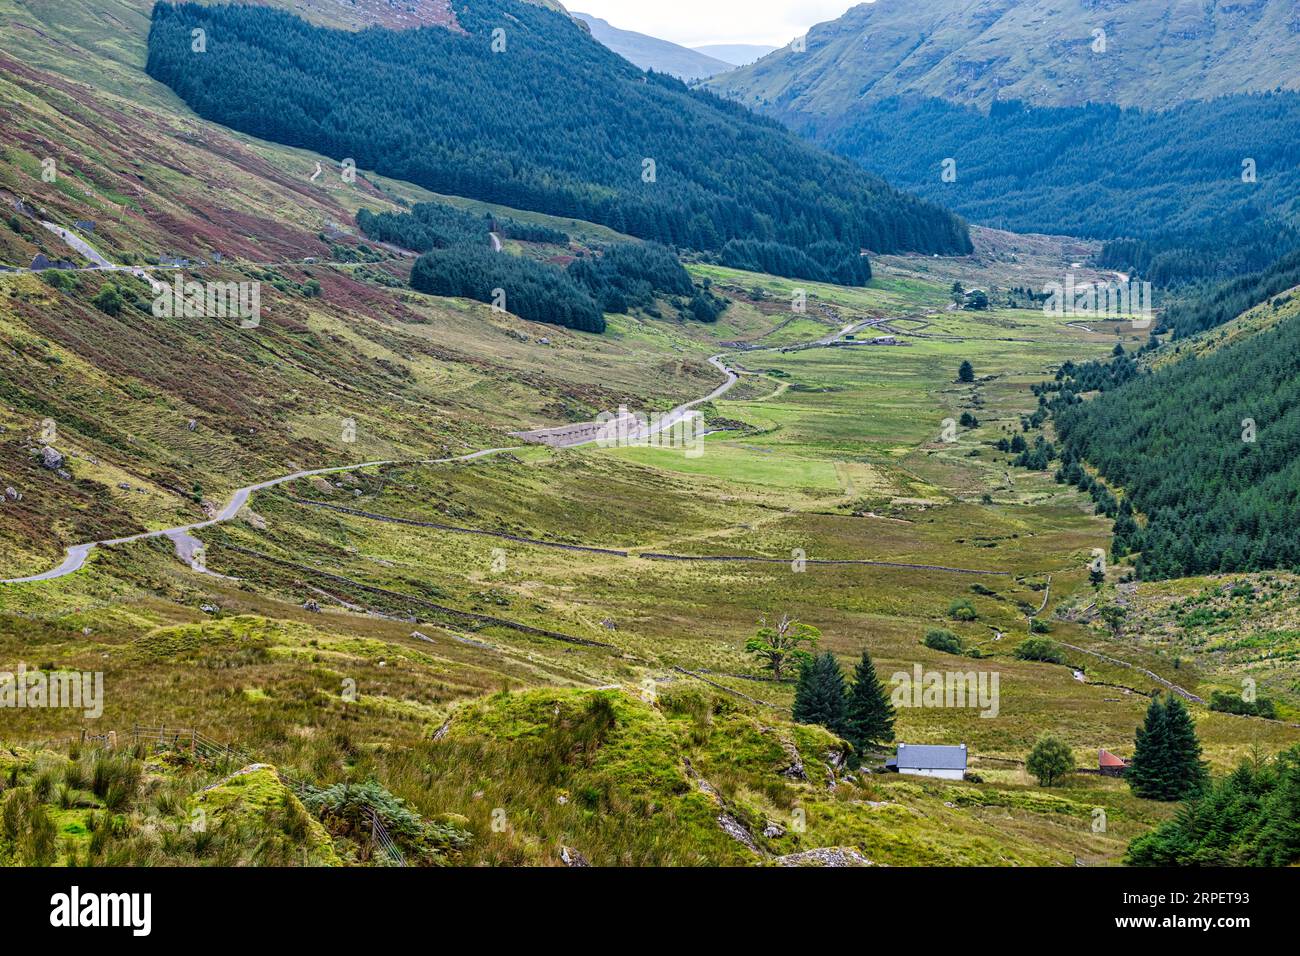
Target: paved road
[628, 427]
[565, 436]
[181, 536]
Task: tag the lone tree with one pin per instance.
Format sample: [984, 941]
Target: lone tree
[820, 696]
[787, 645]
[1050, 760]
[1167, 762]
[966, 372]
[869, 716]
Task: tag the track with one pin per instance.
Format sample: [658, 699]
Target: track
[564, 436]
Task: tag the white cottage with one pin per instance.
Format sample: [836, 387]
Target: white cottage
[930, 760]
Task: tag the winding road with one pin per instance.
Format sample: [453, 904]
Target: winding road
[563, 436]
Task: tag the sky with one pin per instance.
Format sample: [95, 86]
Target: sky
[699, 22]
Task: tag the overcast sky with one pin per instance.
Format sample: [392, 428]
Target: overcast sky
[697, 22]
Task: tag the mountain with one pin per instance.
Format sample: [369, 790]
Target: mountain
[736, 54]
[1150, 53]
[599, 140]
[1206, 188]
[651, 53]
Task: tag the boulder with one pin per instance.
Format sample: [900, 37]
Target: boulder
[51, 459]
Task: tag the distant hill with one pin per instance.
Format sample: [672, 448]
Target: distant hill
[1167, 189]
[651, 53]
[736, 54]
[1045, 52]
[599, 140]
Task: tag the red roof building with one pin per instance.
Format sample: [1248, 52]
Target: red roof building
[1109, 764]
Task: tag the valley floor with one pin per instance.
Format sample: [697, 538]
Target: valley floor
[444, 627]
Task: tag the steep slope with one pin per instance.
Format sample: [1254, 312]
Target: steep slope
[1195, 201]
[1204, 448]
[1046, 52]
[441, 108]
[651, 53]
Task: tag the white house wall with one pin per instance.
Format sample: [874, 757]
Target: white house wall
[944, 774]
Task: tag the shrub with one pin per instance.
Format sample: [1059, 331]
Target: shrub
[942, 640]
[1040, 649]
[962, 610]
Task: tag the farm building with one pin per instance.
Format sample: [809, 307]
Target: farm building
[1109, 765]
[930, 760]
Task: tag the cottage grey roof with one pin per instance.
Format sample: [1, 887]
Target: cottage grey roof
[931, 757]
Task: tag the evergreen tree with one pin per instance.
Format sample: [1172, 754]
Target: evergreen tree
[820, 697]
[1249, 818]
[966, 372]
[1167, 761]
[869, 715]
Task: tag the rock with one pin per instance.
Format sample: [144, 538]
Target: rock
[64, 474]
[773, 830]
[209, 608]
[572, 857]
[736, 830]
[825, 856]
[543, 341]
[124, 486]
[13, 494]
[311, 605]
[51, 459]
[191, 424]
[608, 624]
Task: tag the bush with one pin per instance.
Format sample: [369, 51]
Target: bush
[1229, 703]
[942, 640]
[962, 610]
[1040, 649]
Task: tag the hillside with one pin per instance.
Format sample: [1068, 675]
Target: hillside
[1044, 52]
[1203, 448]
[1202, 189]
[641, 154]
[651, 53]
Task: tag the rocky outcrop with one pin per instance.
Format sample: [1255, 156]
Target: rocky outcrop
[825, 856]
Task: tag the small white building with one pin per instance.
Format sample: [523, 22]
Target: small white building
[930, 760]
